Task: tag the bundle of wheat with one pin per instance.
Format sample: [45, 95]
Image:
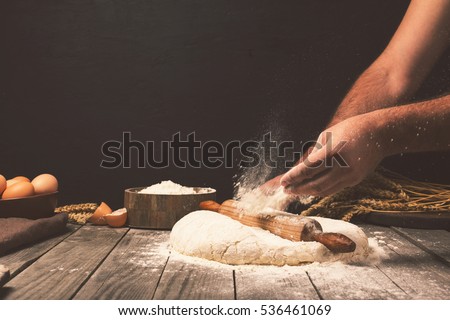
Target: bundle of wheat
[78, 213]
[386, 191]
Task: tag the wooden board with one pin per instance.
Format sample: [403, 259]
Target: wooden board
[415, 271]
[64, 269]
[4, 275]
[435, 242]
[105, 263]
[410, 219]
[132, 270]
[339, 281]
[21, 258]
[268, 283]
[190, 281]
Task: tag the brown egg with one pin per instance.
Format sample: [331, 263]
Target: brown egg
[18, 190]
[10, 182]
[2, 184]
[21, 178]
[45, 183]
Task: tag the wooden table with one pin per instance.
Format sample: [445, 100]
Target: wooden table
[104, 263]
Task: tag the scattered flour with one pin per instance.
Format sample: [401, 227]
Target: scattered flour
[256, 200]
[59, 268]
[169, 187]
[254, 195]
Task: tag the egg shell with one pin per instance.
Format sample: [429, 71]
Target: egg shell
[45, 183]
[21, 178]
[10, 182]
[117, 219]
[20, 189]
[2, 184]
[99, 215]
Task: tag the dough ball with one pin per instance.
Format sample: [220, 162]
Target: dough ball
[213, 236]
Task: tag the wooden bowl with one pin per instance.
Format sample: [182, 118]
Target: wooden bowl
[34, 207]
[162, 211]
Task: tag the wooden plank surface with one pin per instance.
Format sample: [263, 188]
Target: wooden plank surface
[436, 242]
[132, 270]
[343, 281]
[105, 263]
[20, 259]
[63, 270]
[273, 283]
[415, 271]
[340, 281]
[4, 275]
[191, 281]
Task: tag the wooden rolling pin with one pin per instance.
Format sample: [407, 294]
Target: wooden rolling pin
[286, 225]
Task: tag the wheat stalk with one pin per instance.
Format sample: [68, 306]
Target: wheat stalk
[78, 213]
[385, 191]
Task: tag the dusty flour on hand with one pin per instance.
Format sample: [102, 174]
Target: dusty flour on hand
[169, 187]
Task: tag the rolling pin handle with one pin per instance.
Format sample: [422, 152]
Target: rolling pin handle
[209, 205]
[335, 242]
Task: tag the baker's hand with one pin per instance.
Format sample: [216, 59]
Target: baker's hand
[270, 186]
[342, 157]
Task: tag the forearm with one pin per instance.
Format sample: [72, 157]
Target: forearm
[420, 39]
[422, 126]
[378, 87]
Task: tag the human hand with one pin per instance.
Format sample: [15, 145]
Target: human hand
[270, 186]
[342, 157]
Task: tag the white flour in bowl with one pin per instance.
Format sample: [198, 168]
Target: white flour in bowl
[169, 187]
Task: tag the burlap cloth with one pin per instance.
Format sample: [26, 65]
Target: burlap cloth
[16, 232]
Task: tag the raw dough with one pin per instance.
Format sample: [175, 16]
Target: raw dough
[210, 235]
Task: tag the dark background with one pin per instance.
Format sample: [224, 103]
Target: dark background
[74, 74]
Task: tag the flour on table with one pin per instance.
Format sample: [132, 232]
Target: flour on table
[213, 236]
[169, 187]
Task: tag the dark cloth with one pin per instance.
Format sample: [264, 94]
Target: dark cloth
[15, 232]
